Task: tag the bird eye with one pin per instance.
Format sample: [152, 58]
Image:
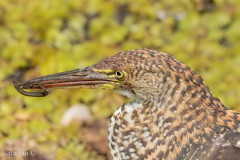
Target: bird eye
[119, 74]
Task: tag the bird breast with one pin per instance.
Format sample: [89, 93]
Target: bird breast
[122, 118]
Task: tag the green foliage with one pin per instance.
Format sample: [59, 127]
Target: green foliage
[44, 37]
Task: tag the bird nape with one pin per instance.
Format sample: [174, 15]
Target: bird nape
[173, 115]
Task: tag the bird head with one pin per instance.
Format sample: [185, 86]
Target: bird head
[141, 73]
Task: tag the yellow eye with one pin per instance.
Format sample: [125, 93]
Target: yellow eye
[119, 74]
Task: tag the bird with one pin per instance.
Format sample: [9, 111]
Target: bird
[172, 115]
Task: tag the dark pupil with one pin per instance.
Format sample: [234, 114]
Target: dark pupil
[119, 74]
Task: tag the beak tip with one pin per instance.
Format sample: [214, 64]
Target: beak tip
[20, 87]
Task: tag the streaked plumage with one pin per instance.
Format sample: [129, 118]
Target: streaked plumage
[173, 114]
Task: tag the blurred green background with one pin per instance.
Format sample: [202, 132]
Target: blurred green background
[40, 37]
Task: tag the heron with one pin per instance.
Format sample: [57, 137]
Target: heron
[172, 115]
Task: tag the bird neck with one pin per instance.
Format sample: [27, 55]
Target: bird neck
[191, 102]
[185, 123]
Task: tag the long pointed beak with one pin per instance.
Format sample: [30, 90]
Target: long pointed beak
[79, 78]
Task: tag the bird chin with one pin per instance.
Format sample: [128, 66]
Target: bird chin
[127, 93]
